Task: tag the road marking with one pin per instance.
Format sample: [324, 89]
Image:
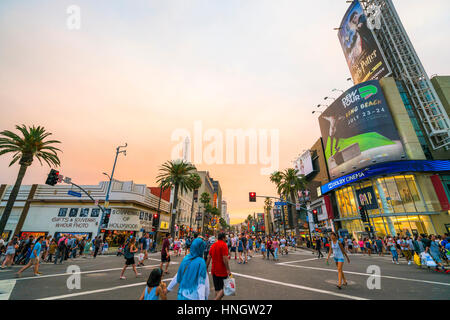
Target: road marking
[300, 287]
[6, 287]
[366, 274]
[70, 295]
[282, 263]
[83, 272]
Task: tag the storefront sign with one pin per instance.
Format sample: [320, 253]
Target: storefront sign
[127, 220]
[387, 168]
[366, 197]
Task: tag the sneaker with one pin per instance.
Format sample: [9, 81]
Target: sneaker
[397, 263]
[123, 278]
[138, 275]
[409, 263]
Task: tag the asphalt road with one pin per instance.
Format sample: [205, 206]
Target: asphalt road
[297, 276]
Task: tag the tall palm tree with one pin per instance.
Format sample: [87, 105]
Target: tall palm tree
[196, 182]
[31, 144]
[176, 174]
[289, 182]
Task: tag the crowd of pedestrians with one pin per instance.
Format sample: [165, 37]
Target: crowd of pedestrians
[438, 247]
[31, 251]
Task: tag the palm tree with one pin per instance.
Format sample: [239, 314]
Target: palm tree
[196, 182]
[288, 184]
[32, 144]
[176, 174]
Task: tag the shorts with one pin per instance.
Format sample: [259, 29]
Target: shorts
[129, 261]
[240, 250]
[233, 249]
[350, 246]
[165, 258]
[34, 261]
[250, 248]
[218, 282]
[338, 259]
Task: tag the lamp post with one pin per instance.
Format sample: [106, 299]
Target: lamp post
[110, 181]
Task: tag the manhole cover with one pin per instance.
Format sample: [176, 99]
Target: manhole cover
[335, 282]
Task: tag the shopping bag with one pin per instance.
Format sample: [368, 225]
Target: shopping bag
[141, 257]
[417, 259]
[427, 260]
[229, 286]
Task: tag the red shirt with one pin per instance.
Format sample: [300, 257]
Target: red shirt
[219, 250]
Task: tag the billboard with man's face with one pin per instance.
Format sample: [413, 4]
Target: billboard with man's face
[364, 57]
[358, 130]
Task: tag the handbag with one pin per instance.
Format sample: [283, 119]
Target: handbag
[229, 286]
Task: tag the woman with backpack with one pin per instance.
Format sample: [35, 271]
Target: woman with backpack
[129, 251]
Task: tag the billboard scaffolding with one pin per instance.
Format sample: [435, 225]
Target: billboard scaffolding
[407, 68]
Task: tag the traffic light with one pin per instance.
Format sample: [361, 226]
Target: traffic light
[52, 178]
[315, 218]
[106, 218]
[252, 196]
[155, 220]
[362, 213]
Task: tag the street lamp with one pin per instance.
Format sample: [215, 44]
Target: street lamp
[329, 98]
[337, 90]
[316, 111]
[110, 181]
[114, 167]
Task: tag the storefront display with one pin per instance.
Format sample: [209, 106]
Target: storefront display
[394, 203]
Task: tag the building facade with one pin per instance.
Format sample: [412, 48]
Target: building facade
[50, 210]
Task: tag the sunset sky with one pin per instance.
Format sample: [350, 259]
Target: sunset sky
[138, 70]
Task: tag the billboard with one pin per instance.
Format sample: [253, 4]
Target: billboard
[304, 164]
[364, 57]
[357, 130]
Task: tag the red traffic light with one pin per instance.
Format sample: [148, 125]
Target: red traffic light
[252, 196]
[314, 211]
[155, 216]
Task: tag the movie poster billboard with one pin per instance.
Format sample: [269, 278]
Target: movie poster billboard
[304, 164]
[364, 57]
[358, 130]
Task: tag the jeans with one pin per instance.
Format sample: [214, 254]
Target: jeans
[60, 253]
[320, 252]
[276, 254]
[96, 251]
[270, 251]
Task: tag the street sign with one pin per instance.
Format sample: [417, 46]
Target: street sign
[68, 180]
[281, 203]
[74, 193]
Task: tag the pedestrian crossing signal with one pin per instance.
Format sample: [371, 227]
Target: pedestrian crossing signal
[252, 196]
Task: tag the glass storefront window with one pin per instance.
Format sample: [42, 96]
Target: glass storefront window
[394, 194]
[340, 201]
[426, 221]
[379, 226]
[352, 202]
[419, 203]
[405, 194]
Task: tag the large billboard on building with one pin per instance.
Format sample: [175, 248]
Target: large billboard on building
[364, 57]
[304, 164]
[357, 130]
